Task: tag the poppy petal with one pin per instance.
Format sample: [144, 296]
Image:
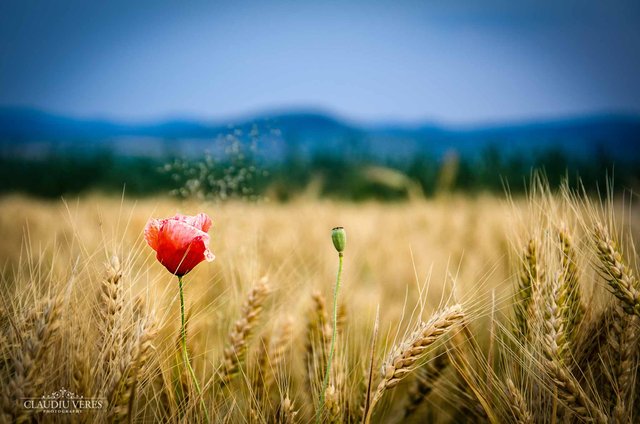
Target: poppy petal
[180, 242]
[151, 231]
[201, 221]
[181, 246]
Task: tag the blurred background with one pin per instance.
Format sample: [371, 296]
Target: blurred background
[351, 100]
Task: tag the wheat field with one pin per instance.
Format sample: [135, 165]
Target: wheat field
[454, 309]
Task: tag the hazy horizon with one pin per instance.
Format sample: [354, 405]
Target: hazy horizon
[340, 117]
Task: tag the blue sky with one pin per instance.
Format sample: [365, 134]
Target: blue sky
[447, 61]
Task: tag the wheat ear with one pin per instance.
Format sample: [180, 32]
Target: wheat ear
[622, 344]
[623, 283]
[555, 349]
[242, 330]
[527, 281]
[276, 352]
[81, 371]
[403, 358]
[569, 277]
[261, 368]
[521, 412]
[622, 335]
[123, 400]
[332, 408]
[112, 301]
[286, 413]
[43, 325]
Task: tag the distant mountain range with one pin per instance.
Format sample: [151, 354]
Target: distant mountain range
[35, 133]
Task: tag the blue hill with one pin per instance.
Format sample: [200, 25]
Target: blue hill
[33, 132]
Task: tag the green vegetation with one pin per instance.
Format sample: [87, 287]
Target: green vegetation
[245, 176]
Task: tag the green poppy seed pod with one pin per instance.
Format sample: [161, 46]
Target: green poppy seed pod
[339, 238]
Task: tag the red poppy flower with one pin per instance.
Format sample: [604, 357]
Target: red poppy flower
[180, 242]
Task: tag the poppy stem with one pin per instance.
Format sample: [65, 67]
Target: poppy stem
[185, 353]
[325, 383]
